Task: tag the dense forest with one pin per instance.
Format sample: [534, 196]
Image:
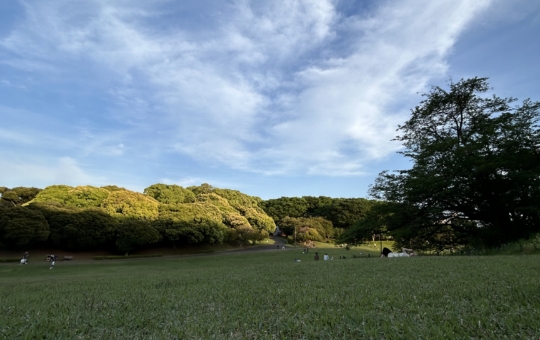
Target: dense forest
[89, 218]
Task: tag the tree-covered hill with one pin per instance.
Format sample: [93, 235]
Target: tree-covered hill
[110, 217]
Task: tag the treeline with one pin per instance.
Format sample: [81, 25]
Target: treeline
[109, 217]
[316, 218]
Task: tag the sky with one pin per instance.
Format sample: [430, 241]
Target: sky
[272, 98]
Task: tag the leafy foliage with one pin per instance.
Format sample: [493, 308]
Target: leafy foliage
[20, 226]
[86, 217]
[80, 197]
[476, 168]
[324, 214]
[77, 228]
[17, 196]
[129, 204]
[307, 228]
[280, 208]
[170, 194]
[190, 223]
[134, 233]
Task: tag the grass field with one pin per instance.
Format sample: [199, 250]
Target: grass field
[265, 295]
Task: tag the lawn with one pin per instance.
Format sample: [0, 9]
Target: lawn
[265, 295]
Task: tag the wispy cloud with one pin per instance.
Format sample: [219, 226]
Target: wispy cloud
[64, 170]
[268, 87]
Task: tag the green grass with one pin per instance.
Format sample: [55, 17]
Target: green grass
[266, 295]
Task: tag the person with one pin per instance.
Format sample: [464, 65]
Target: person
[316, 256]
[25, 258]
[405, 252]
[52, 258]
[326, 257]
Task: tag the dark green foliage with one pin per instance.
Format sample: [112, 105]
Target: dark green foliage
[20, 226]
[132, 234]
[280, 208]
[307, 228]
[344, 212]
[170, 194]
[17, 196]
[76, 228]
[204, 188]
[331, 213]
[190, 223]
[245, 235]
[476, 168]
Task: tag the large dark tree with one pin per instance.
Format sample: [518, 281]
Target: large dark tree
[476, 167]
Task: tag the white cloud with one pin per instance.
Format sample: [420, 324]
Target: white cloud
[64, 170]
[273, 87]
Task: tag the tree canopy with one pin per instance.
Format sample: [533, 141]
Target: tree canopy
[476, 167]
[87, 217]
[17, 196]
[20, 226]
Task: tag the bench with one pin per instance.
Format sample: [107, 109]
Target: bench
[68, 258]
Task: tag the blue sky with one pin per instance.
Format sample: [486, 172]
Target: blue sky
[274, 98]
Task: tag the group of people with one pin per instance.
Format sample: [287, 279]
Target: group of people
[50, 258]
[326, 257]
[405, 252]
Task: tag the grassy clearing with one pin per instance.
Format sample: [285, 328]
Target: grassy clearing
[268, 296]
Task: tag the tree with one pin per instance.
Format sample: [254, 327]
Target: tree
[78, 228]
[129, 204]
[280, 208]
[190, 223]
[170, 194]
[20, 226]
[18, 195]
[344, 212]
[80, 197]
[134, 233]
[306, 228]
[476, 167]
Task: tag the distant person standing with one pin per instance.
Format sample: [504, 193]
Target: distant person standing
[316, 256]
[25, 258]
[52, 259]
[325, 257]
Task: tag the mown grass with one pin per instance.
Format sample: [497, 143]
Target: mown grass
[268, 296]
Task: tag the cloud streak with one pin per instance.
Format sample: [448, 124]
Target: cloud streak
[282, 87]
